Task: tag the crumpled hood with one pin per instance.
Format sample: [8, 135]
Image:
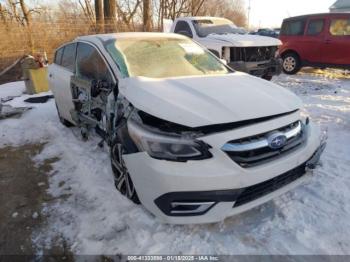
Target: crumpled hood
[246, 40]
[206, 100]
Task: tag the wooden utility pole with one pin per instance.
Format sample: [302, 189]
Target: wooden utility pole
[147, 15]
[109, 7]
[99, 16]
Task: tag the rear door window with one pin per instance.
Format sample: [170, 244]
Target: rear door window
[90, 64]
[315, 27]
[340, 27]
[58, 56]
[294, 27]
[68, 57]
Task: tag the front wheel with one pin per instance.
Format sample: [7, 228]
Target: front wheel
[291, 64]
[122, 179]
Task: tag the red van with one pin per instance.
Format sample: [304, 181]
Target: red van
[318, 40]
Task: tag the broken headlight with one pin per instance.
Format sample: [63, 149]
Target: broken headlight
[166, 146]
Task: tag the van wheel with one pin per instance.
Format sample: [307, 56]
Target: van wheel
[122, 179]
[63, 121]
[291, 63]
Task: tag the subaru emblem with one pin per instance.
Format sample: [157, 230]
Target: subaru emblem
[276, 140]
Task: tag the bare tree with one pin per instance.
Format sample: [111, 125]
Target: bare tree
[127, 10]
[26, 12]
[99, 16]
[147, 15]
[2, 14]
[196, 5]
[233, 10]
[109, 7]
[88, 11]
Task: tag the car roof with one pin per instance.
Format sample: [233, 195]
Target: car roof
[127, 35]
[312, 15]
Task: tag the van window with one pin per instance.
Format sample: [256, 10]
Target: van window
[184, 27]
[58, 56]
[68, 57]
[295, 27]
[90, 64]
[340, 27]
[315, 27]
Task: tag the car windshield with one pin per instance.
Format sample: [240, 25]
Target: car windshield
[160, 57]
[205, 27]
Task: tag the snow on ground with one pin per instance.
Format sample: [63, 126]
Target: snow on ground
[94, 218]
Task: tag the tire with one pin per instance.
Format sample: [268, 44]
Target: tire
[291, 63]
[267, 77]
[122, 179]
[63, 121]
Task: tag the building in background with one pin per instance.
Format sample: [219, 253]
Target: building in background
[340, 6]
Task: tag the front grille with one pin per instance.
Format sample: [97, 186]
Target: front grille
[254, 150]
[252, 54]
[259, 190]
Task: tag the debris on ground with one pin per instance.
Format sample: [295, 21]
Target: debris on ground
[7, 99]
[7, 111]
[39, 99]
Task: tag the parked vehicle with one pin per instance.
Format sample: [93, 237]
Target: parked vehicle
[255, 55]
[266, 32]
[318, 40]
[189, 138]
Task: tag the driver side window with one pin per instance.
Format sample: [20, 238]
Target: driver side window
[90, 64]
[183, 28]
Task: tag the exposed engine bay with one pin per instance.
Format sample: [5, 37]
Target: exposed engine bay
[252, 54]
[96, 109]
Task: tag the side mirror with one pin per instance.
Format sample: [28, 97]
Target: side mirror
[185, 33]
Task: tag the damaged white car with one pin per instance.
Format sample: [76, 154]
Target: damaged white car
[192, 140]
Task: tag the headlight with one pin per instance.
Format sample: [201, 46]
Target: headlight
[161, 145]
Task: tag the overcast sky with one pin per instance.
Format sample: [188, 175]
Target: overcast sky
[270, 13]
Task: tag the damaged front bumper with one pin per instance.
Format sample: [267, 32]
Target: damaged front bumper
[260, 69]
[210, 190]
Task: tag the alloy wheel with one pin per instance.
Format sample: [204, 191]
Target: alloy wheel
[122, 178]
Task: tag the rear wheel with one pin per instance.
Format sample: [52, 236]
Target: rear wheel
[122, 179]
[291, 63]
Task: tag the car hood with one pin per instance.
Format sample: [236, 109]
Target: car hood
[206, 100]
[246, 40]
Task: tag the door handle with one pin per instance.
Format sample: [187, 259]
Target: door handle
[328, 41]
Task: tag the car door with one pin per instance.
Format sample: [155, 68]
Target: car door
[337, 41]
[60, 73]
[313, 40]
[91, 65]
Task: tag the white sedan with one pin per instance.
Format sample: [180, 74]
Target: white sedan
[189, 138]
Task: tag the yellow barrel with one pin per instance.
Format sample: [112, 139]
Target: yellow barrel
[38, 80]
